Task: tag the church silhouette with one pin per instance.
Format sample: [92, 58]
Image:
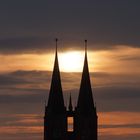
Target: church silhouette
[83, 117]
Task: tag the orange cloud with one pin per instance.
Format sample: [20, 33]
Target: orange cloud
[119, 131]
[119, 60]
[118, 118]
[21, 129]
[119, 123]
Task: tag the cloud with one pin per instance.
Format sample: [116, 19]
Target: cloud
[21, 120]
[41, 45]
[8, 80]
[121, 126]
[33, 97]
[31, 27]
[111, 92]
[129, 58]
[117, 98]
[116, 92]
[24, 45]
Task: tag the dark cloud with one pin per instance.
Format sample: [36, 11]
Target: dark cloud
[31, 98]
[110, 95]
[117, 98]
[6, 80]
[104, 22]
[115, 92]
[32, 79]
[31, 26]
[24, 45]
[35, 78]
[40, 45]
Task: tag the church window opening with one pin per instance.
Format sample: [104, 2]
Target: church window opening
[70, 124]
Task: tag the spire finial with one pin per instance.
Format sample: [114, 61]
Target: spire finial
[85, 46]
[56, 40]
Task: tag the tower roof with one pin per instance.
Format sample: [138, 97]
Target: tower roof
[85, 99]
[56, 101]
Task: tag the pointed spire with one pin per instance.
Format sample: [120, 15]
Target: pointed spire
[70, 104]
[56, 101]
[85, 99]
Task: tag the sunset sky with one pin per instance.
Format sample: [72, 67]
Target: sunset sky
[27, 46]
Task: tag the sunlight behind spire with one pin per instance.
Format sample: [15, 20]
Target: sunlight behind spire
[71, 61]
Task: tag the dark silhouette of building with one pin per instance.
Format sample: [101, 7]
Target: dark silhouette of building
[83, 118]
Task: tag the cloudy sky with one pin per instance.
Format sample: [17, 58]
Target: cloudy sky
[27, 33]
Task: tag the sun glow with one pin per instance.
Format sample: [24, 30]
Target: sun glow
[71, 61]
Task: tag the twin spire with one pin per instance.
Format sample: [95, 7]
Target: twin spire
[85, 100]
[56, 101]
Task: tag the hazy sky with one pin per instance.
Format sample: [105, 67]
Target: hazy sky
[27, 32]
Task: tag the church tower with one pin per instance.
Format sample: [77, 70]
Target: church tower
[55, 123]
[85, 112]
[79, 123]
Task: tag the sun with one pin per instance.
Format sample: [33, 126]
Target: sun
[71, 61]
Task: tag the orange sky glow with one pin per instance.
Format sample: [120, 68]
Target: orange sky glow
[121, 60]
[112, 61]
